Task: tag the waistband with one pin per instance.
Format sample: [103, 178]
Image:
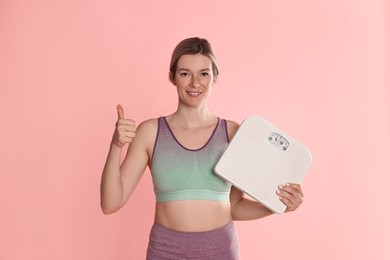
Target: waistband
[219, 243]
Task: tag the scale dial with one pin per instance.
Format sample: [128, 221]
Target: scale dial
[278, 141]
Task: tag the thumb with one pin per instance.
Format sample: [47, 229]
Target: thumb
[121, 112]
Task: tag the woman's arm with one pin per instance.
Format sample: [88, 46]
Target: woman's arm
[119, 180]
[246, 209]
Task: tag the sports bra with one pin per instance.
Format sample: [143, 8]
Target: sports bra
[180, 173]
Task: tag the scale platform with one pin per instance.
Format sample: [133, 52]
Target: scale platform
[259, 158]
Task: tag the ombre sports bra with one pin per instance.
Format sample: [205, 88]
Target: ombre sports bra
[180, 173]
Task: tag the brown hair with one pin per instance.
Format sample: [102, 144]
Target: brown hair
[193, 45]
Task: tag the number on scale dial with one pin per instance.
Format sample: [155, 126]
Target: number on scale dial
[278, 141]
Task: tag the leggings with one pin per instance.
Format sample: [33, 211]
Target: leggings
[218, 244]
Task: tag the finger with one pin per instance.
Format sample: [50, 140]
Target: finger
[124, 129]
[123, 140]
[291, 188]
[130, 135]
[288, 203]
[291, 193]
[285, 195]
[127, 122]
[121, 112]
[297, 187]
[127, 125]
[130, 128]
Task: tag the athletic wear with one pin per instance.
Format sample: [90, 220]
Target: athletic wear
[218, 244]
[180, 173]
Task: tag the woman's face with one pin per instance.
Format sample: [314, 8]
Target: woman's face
[194, 79]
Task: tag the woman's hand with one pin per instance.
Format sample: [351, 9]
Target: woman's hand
[125, 129]
[291, 195]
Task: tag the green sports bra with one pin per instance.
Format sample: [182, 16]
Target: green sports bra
[180, 173]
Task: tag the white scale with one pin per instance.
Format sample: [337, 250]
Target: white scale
[259, 158]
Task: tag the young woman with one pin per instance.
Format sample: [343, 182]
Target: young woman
[195, 208]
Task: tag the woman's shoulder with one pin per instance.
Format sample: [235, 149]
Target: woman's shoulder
[232, 123]
[148, 125]
[232, 127]
[146, 131]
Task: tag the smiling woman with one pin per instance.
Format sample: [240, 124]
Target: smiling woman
[193, 46]
[319, 69]
[195, 208]
[193, 78]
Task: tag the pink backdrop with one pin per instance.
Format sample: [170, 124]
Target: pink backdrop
[317, 69]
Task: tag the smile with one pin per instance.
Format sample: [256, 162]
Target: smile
[194, 93]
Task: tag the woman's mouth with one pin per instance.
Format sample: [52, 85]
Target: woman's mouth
[194, 93]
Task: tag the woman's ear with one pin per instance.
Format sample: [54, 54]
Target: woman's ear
[172, 78]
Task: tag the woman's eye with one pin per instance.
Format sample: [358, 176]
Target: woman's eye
[205, 74]
[184, 74]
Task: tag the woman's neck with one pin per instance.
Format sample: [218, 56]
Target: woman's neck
[193, 117]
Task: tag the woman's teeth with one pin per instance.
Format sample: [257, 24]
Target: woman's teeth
[194, 94]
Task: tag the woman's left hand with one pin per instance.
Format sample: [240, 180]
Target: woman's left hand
[291, 195]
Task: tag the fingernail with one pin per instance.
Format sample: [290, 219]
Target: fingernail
[280, 186]
[288, 184]
[278, 191]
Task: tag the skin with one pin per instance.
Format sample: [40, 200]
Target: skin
[192, 124]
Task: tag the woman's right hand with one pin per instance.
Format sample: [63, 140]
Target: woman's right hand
[125, 129]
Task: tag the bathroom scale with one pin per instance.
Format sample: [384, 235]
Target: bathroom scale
[259, 158]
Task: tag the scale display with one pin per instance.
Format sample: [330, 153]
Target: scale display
[278, 141]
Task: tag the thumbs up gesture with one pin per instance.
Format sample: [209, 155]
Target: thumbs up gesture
[124, 129]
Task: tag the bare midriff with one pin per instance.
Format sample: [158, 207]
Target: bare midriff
[193, 215]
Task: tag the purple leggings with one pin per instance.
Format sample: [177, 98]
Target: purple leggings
[218, 244]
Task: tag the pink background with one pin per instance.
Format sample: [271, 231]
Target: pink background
[317, 69]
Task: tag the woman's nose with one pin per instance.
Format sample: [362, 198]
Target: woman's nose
[195, 83]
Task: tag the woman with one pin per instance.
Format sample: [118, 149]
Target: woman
[195, 209]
